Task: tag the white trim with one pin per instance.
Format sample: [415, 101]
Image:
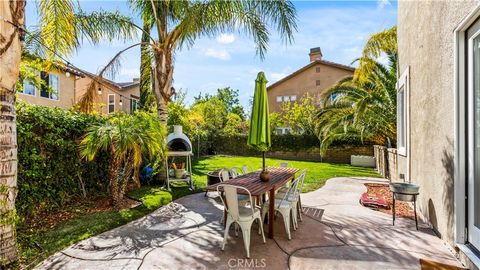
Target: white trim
[108, 103]
[472, 256]
[459, 89]
[403, 83]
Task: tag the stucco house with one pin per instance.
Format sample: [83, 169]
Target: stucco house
[63, 88]
[313, 79]
[439, 117]
[112, 96]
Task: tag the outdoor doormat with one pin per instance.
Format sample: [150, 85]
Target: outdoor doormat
[382, 191]
[431, 265]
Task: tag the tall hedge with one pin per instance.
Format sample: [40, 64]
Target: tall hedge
[237, 144]
[50, 172]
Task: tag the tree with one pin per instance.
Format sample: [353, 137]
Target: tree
[359, 109]
[179, 23]
[300, 117]
[127, 138]
[10, 51]
[378, 44]
[62, 27]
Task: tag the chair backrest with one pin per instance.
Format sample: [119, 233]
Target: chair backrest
[302, 180]
[292, 191]
[235, 171]
[246, 169]
[283, 164]
[224, 175]
[231, 199]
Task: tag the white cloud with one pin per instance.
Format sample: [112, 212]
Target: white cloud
[381, 4]
[225, 38]
[274, 76]
[221, 54]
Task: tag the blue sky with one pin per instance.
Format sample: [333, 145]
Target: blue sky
[340, 28]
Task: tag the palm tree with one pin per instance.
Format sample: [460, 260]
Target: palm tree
[126, 138]
[62, 27]
[384, 42]
[355, 110]
[177, 24]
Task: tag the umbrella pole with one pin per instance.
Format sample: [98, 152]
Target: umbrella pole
[263, 161]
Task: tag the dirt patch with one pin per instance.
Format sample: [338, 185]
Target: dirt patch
[402, 209]
[50, 219]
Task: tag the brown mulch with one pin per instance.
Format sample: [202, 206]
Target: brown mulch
[50, 219]
[402, 209]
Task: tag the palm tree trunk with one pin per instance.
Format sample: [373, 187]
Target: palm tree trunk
[162, 82]
[114, 179]
[10, 52]
[146, 96]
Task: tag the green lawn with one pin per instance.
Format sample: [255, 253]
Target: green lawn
[39, 244]
[317, 173]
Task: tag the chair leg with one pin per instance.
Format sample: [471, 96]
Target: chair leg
[300, 210]
[246, 238]
[286, 221]
[261, 230]
[225, 234]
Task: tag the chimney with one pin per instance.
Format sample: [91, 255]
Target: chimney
[135, 80]
[315, 54]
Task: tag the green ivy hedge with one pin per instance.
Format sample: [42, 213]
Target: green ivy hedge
[237, 144]
[50, 171]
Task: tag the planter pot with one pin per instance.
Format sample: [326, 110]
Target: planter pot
[408, 191]
[179, 173]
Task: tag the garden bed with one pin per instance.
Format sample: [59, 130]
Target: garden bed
[402, 209]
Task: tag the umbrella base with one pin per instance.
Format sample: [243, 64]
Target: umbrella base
[265, 176]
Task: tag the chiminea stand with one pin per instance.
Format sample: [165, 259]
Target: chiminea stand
[188, 168]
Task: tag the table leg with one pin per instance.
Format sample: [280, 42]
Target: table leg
[271, 212]
[393, 210]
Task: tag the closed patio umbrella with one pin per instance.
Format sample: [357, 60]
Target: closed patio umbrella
[259, 133]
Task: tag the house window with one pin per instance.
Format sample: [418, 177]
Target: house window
[317, 69]
[279, 99]
[286, 98]
[317, 82]
[28, 88]
[293, 98]
[134, 104]
[50, 88]
[402, 105]
[111, 103]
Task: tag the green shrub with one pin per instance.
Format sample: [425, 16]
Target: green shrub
[50, 171]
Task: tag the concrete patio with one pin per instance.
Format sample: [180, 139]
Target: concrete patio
[336, 233]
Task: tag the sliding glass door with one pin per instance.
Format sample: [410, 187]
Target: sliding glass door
[473, 74]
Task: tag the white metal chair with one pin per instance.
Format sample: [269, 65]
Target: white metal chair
[285, 207]
[240, 215]
[246, 169]
[224, 175]
[294, 197]
[235, 172]
[283, 164]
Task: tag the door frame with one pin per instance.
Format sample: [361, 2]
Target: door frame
[473, 233]
[461, 129]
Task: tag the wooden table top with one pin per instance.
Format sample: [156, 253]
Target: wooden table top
[251, 181]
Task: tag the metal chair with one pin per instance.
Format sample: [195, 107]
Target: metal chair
[294, 197]
[283, 164]
[240, 215]
[235, 171]
[286, 206]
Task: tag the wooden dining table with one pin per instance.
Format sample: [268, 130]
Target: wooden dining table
[251, 181]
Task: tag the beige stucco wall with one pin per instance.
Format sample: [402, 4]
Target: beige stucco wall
[66, 93]
[426, 45]
[101, 101]
[305, 82]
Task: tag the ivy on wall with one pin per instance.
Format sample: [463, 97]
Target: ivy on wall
[50, 171]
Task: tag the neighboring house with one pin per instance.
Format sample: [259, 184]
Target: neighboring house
[112, 96]
[439, 116]
[312, 79]
[61, 90]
